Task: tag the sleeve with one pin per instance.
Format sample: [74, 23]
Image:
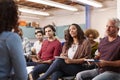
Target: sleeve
[33, 48]
[87, 49]
[40, 52]
[64, 50]
[27, 47]
[58, 50]
[34, 44]
[14, 45]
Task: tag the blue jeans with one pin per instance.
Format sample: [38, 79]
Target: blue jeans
[108, 75]
[61, 68]
[56, 75]
[96, 76]
[87, 74]
[40, 68]
[32, 63]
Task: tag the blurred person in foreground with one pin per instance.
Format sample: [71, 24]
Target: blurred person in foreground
[11, 52]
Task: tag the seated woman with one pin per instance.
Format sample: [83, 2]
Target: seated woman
[73, 53]
[92, 34]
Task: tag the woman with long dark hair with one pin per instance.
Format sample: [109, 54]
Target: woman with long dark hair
[69, 63]
[12, 60]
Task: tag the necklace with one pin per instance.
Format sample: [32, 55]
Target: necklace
[74, 47]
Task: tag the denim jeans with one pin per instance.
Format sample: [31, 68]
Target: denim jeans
[87, 74]
[94, 75]
[60, 67]
[108, 75]
[41, 68]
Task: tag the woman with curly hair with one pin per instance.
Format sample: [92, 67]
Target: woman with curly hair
[12, 60]
[92, 34]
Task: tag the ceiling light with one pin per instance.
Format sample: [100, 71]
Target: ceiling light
[90, 2]
[54, 4]
[29, 17]
[31, 11]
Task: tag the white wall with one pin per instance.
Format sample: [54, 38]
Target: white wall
[99, 19]
[64, 18]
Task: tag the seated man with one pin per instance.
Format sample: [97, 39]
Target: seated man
[51, 47]
[109, 56]
[37, 44]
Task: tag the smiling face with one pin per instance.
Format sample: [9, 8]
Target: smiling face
[73, 31]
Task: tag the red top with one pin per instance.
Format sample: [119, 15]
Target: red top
[50, 49]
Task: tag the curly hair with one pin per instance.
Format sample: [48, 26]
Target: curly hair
[8, 15]
[94, 32]
[80, 36]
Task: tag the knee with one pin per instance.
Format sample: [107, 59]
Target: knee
[35, 72]
[79, 76]
[58, 61]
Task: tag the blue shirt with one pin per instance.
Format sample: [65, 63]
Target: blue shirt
[11, 57]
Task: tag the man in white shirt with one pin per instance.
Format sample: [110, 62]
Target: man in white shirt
[37, 44]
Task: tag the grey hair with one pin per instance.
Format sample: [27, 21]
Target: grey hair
[117, 22]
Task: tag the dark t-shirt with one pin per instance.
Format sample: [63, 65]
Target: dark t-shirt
[110, 51]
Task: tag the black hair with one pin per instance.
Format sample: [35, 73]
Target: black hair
[50, 26]
[8, 15]
[39, 32]
[80, 36]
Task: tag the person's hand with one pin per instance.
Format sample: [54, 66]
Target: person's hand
[102, 63]
[34, 60]
[47, 61]
[68, 61]
[39, 61]
[62, 54]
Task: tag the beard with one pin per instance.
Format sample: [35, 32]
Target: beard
[111, 33]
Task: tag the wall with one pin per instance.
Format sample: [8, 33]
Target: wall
[62, 18]
[30, 17]
[99, 19]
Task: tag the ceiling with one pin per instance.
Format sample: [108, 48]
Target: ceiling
[46, 7]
